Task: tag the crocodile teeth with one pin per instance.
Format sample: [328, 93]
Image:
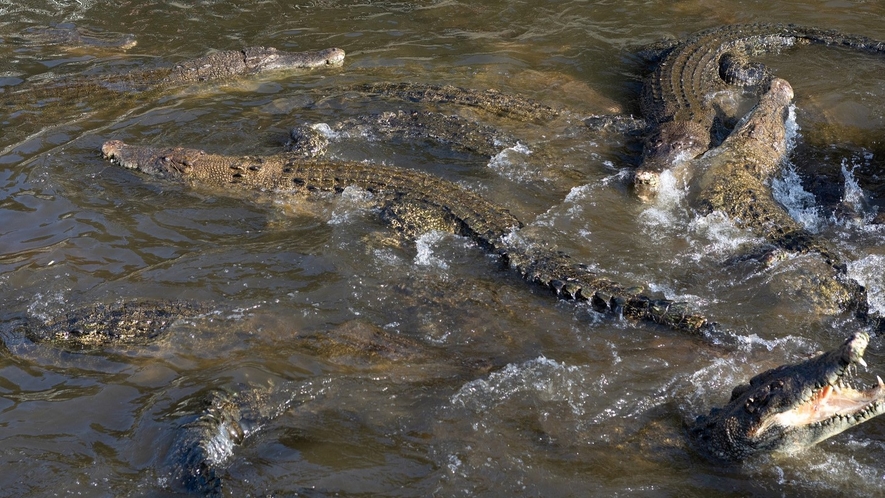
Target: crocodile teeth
[881, 384]
[862, 362]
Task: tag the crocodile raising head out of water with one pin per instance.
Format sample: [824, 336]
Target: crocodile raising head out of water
[677, 96]
[792, 407]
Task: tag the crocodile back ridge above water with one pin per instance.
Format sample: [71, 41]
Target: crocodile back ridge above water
[676, 96]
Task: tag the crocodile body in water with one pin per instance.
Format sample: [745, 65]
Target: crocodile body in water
[451, 130]
[117, 324]
[677, 98]
[59, 99]
[220, 65]
[414, 202]
[792, 407]
[734, 179]
[70, 35]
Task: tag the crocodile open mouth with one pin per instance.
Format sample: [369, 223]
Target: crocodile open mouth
[837, 401]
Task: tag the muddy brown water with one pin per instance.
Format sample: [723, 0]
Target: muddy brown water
[502, 390]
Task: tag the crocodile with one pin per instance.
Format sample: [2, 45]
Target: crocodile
[734, 179]
[70, 35]
[412, 202]
[64, 95]
[125, 323]
[677, 98]
[451, 130]
[792, 407]
[219, 65]
[490, 101]
[219, 422]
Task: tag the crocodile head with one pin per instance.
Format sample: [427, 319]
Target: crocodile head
[173, 163]
[792, 407]
[260, 59]
[670, 143]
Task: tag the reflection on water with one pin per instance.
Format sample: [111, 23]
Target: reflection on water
[414, 367]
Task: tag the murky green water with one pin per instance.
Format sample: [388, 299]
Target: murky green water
[501, 390]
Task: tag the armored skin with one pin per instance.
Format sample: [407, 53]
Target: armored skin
[792, 407]
[677, 97]
[412, 202]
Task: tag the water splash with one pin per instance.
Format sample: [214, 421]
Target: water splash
[868, 271]
[352, 200]
[425, 244]
[512, 163]
[669, 203]
[800, 204]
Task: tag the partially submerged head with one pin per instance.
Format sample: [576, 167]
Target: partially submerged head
[792, 407]
[173, 163]
[259, 59]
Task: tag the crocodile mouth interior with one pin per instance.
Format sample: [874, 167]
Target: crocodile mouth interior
[837, 399]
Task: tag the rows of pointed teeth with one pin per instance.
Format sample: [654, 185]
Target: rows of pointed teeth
[844, 379]
[867, 412]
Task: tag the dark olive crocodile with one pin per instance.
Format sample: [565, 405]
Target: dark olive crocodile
[792, 407]
[677, 96]
[490, 101]
[117, 324]
[414, 202]
[218, 65]
[76, 92]
[219, 422]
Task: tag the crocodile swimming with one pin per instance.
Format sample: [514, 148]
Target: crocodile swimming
[678, 97]
[125, 323]
[412, 202]
[490, 101]
[792, 407]
[219, 65]
[450, 130]
[70, 35]
[62, 98]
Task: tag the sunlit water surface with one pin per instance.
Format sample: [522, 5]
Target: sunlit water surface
[502, 390]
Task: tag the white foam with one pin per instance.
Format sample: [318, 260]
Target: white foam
[325, 130]
[511, 162]
[668, 205]
[549, 379]
[352, 200]
[869, 271]
[800, 204]
[425, 244]
[716, 235]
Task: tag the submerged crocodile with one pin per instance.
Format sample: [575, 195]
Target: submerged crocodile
[72, 36]
[218, 65]
[118, 324]
[450, 130]
[490, 101]
[792, 407]
[412, 202]
[222, 65]
[677, 98]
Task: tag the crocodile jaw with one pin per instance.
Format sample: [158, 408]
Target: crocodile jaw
[792, 407]
[827, 411]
